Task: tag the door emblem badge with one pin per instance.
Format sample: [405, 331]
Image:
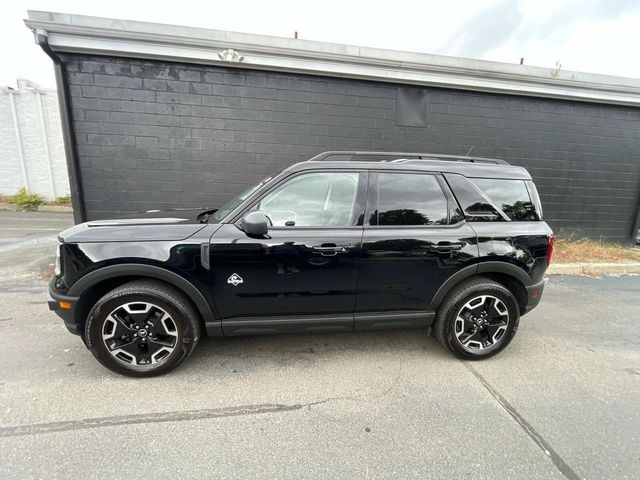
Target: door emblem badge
[235, 280]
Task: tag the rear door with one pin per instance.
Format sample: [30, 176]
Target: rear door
[415, 238]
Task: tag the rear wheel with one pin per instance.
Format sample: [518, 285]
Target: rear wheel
[478, 319]
[142, 328]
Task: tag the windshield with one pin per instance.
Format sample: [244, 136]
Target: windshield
[233, 203]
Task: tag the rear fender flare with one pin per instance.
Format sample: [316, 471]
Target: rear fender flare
[478, 269]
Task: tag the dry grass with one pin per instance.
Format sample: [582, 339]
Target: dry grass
[57, 203]
[64, 201]
[580, 251]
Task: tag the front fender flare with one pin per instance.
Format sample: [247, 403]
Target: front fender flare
[212, 324]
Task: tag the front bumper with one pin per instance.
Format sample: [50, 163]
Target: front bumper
[534, 294]
[66, 314]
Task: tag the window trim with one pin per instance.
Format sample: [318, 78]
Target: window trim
[534, 196]
[359, 203]
[451, 199]
[373, 197]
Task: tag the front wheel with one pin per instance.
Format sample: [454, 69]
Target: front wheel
[142, 329]
[478, 319]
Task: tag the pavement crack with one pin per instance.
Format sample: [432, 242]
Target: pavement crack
[189, 415]
[537, 438]
[185, 416]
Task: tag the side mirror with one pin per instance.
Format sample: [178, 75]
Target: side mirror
[254, 224]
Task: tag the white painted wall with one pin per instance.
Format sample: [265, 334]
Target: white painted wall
[31, 147]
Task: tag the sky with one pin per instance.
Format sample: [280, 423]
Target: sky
[596, 36]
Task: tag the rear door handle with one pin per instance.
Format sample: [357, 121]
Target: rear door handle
[330, 251]
[448, 246]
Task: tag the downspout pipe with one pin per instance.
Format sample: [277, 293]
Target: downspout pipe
[70, 146]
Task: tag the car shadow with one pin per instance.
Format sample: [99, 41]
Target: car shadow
[291, 348]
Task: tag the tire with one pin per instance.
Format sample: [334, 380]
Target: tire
[478, 319]
[143, 328]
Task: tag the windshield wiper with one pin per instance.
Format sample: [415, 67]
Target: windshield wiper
[206, 215]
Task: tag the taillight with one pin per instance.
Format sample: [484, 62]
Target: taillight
[552, 242]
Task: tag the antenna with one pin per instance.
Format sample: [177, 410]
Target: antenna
[472, 147]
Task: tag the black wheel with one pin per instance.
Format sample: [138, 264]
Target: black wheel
[142, 329]
[478, 319]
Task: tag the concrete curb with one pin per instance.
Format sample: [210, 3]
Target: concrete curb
[593, 268]
[11, 207]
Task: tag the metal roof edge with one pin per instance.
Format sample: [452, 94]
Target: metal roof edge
[126, 38]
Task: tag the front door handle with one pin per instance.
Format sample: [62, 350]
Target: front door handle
[448, 246]
[330, 251]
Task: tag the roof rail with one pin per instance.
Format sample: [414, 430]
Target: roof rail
[405, 157]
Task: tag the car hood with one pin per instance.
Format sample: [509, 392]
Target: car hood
[167, 215]
[153, 225]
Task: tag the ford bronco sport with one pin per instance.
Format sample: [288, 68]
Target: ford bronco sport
[344, 241]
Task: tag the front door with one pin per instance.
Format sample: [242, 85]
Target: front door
[303, 276]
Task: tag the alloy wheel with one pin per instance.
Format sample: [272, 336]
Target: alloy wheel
[481, 324]
[140, 333]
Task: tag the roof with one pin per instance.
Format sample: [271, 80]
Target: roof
[107, 36]
[402, 156]
[472, 170]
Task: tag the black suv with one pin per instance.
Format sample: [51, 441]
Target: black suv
[344, 241]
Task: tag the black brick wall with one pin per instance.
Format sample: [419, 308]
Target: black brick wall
[153, 135]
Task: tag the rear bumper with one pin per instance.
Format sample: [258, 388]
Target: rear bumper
[534, 294]
[66, 314]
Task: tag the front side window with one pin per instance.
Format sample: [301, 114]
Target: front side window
[410, 199]
[321, 199]
[232, 204]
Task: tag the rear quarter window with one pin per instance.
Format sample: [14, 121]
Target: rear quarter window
[511, 196]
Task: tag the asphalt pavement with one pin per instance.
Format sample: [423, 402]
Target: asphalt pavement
[561, 402]
[27, 246]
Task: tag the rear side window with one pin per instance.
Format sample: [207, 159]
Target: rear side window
[476, 207]
[410, 199]
[511, 196]
[489, 199]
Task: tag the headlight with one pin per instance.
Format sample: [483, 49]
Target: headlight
[57, 271]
